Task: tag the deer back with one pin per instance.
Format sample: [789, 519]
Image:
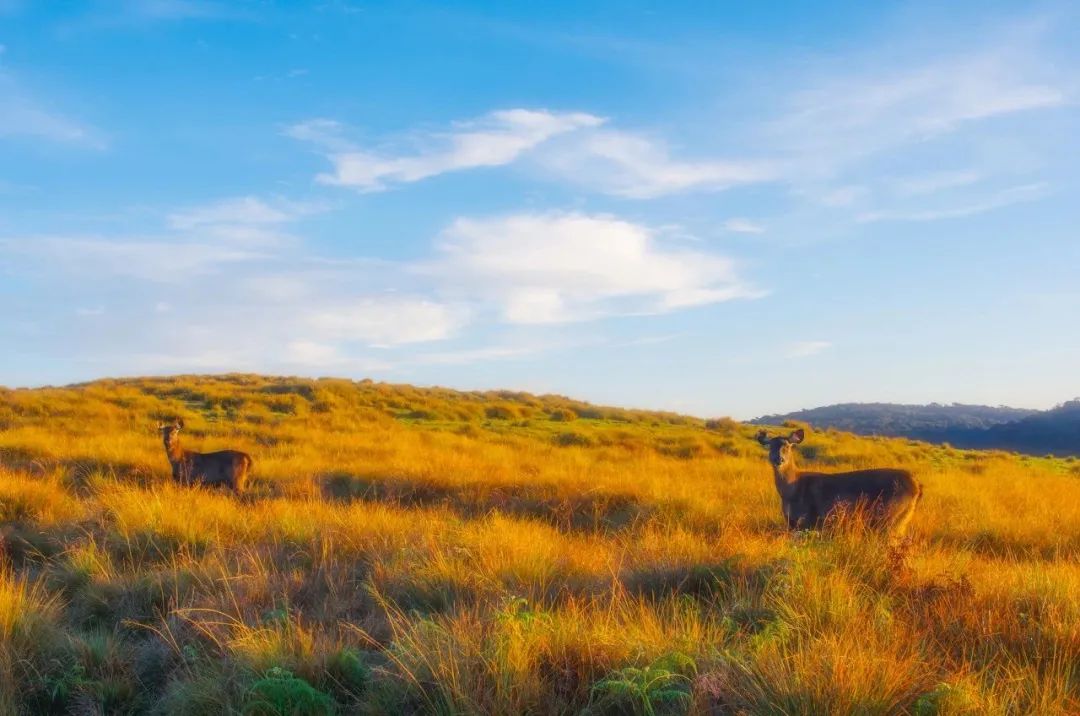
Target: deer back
[883, 491]
[225, 468]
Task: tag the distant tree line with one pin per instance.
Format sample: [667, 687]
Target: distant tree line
[1055, 431]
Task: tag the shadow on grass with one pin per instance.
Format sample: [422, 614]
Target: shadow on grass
[24, 543]
[1004, 547]
[79, 470]
[595, 511]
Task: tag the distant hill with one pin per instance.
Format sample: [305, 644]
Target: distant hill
[1055, 431]
[902, 420]
[1035, 432]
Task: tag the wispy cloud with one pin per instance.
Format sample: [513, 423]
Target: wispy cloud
[934, 182]
[575, 147]
[1003, 198]
[387, 321]
[148, 258]
[558, 267]
[865, 140]
[89, 311]
[238, 210]
[476, 355]
[805, 349]
[24, 116]
[245, 220]
[845, 119]
[195, 241]
[633, 166]
[743, 226]
[495, 140]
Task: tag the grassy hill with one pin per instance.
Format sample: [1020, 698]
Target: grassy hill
[407, 550]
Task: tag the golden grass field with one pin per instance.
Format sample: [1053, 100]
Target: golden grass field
[405, 550]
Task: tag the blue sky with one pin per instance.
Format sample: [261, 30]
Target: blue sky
[717, 208]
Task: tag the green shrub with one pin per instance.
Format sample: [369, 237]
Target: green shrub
[349, 675]
[589, 413]
[661, 687]
[500, 412]
[279, 693]
[722, 425]
[572, 439]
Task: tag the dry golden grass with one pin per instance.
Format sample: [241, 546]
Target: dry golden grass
[425, 551]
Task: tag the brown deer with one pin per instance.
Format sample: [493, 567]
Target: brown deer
[886, 496]
[226, 468]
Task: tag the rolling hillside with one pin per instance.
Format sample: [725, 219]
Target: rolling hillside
[407, 550]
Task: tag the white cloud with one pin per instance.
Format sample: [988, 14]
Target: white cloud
[636, 167]
[245, 220]
[383, 322]
[552, 268]
[841, 196]
[153, 259]
[494, 140]
[222, 306]
[573, 146]
[311, 353]
[475, 355]
[324, 133]
[805, 349]
[239, 210]
[743, 226]
[194, 358]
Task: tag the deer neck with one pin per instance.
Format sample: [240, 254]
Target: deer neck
[786, 477]
[174, 451]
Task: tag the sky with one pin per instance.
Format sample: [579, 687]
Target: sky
[715, 208]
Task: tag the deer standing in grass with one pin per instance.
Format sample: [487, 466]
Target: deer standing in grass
[226, 468]
[886, 496]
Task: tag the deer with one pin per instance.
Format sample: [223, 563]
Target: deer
[886, 496]
[225, 468]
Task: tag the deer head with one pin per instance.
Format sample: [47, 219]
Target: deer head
[170, 432]
[782, 449]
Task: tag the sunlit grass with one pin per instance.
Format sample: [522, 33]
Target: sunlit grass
[404, 550]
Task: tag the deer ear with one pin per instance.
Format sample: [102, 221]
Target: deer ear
[797, 436]
[160, 425]
[179, 423]
[763, 437]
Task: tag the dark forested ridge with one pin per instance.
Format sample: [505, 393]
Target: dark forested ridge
[903, 420]
[1035, 432]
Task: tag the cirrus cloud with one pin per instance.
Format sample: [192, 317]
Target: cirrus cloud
[494, 140]
[574, 146]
